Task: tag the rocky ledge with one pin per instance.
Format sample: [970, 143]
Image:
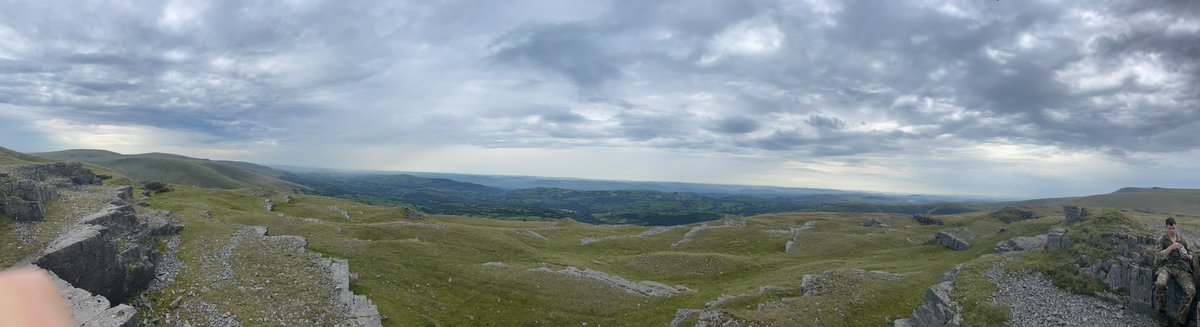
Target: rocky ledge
[939, 308]
[112, 253]
[951, 241]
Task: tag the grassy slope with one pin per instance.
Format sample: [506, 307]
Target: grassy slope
[178, 169]
[10, 158]
[431, 273]
[1156, 200]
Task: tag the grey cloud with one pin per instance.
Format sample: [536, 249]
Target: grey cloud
[323, 66]
[736, 125]
[823, 122]
[569, 49]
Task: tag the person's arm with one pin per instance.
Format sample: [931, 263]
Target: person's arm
[1163, 252]
[28, 298]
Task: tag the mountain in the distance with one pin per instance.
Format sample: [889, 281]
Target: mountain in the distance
[177, 169]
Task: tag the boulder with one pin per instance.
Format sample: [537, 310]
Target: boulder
[875, 222]
[950, 241]
[154, 187]
[1073, 214]
[1057, 239]
[24, 200]
[125, 193]
[926, 220]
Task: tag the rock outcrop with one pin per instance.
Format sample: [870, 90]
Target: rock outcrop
[1073, 214]
[74, 173]
[1057, 240]
[413, 214]
[24, 200]
[111, 253]
[88, 309]
[939, 308]
[927, 220]
[1011, 215]
[796, 232]
[875, 222]
[1130, 271]
[1126, 265]
[1022, 244]
[361, 311]
[950, 241]
[339, 211]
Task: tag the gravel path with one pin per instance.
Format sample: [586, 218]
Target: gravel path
[1036, 302]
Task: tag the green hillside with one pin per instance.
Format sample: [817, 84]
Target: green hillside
[463, 271]
[9, 158]
[177, 169]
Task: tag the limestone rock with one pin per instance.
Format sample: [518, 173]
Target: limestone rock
[339, 211]
[413, 214]
[125, 193]
[1057, 239]
[111, 253]
[950, 241]
[926, 220]
[362, 311]
[939, 308]
[875, 222]
[1073, 214]
[93, 310]
[23, 200]
[162, 223]
[75, 172]
[1022, 244]
[1011, 215]
[87, 258]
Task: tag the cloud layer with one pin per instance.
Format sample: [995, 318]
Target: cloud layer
[984, 97]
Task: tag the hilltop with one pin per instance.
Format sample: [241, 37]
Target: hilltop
[177, 169]
[1149, 199]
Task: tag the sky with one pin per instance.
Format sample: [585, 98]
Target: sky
[1018, 99]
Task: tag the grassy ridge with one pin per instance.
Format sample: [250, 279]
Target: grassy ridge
[1158, 200]
[182, 170]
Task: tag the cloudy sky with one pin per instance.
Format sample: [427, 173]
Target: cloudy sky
[1008, 98]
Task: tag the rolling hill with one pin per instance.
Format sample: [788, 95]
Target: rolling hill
[1152, 199]
[13, 158]
[177, 169]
